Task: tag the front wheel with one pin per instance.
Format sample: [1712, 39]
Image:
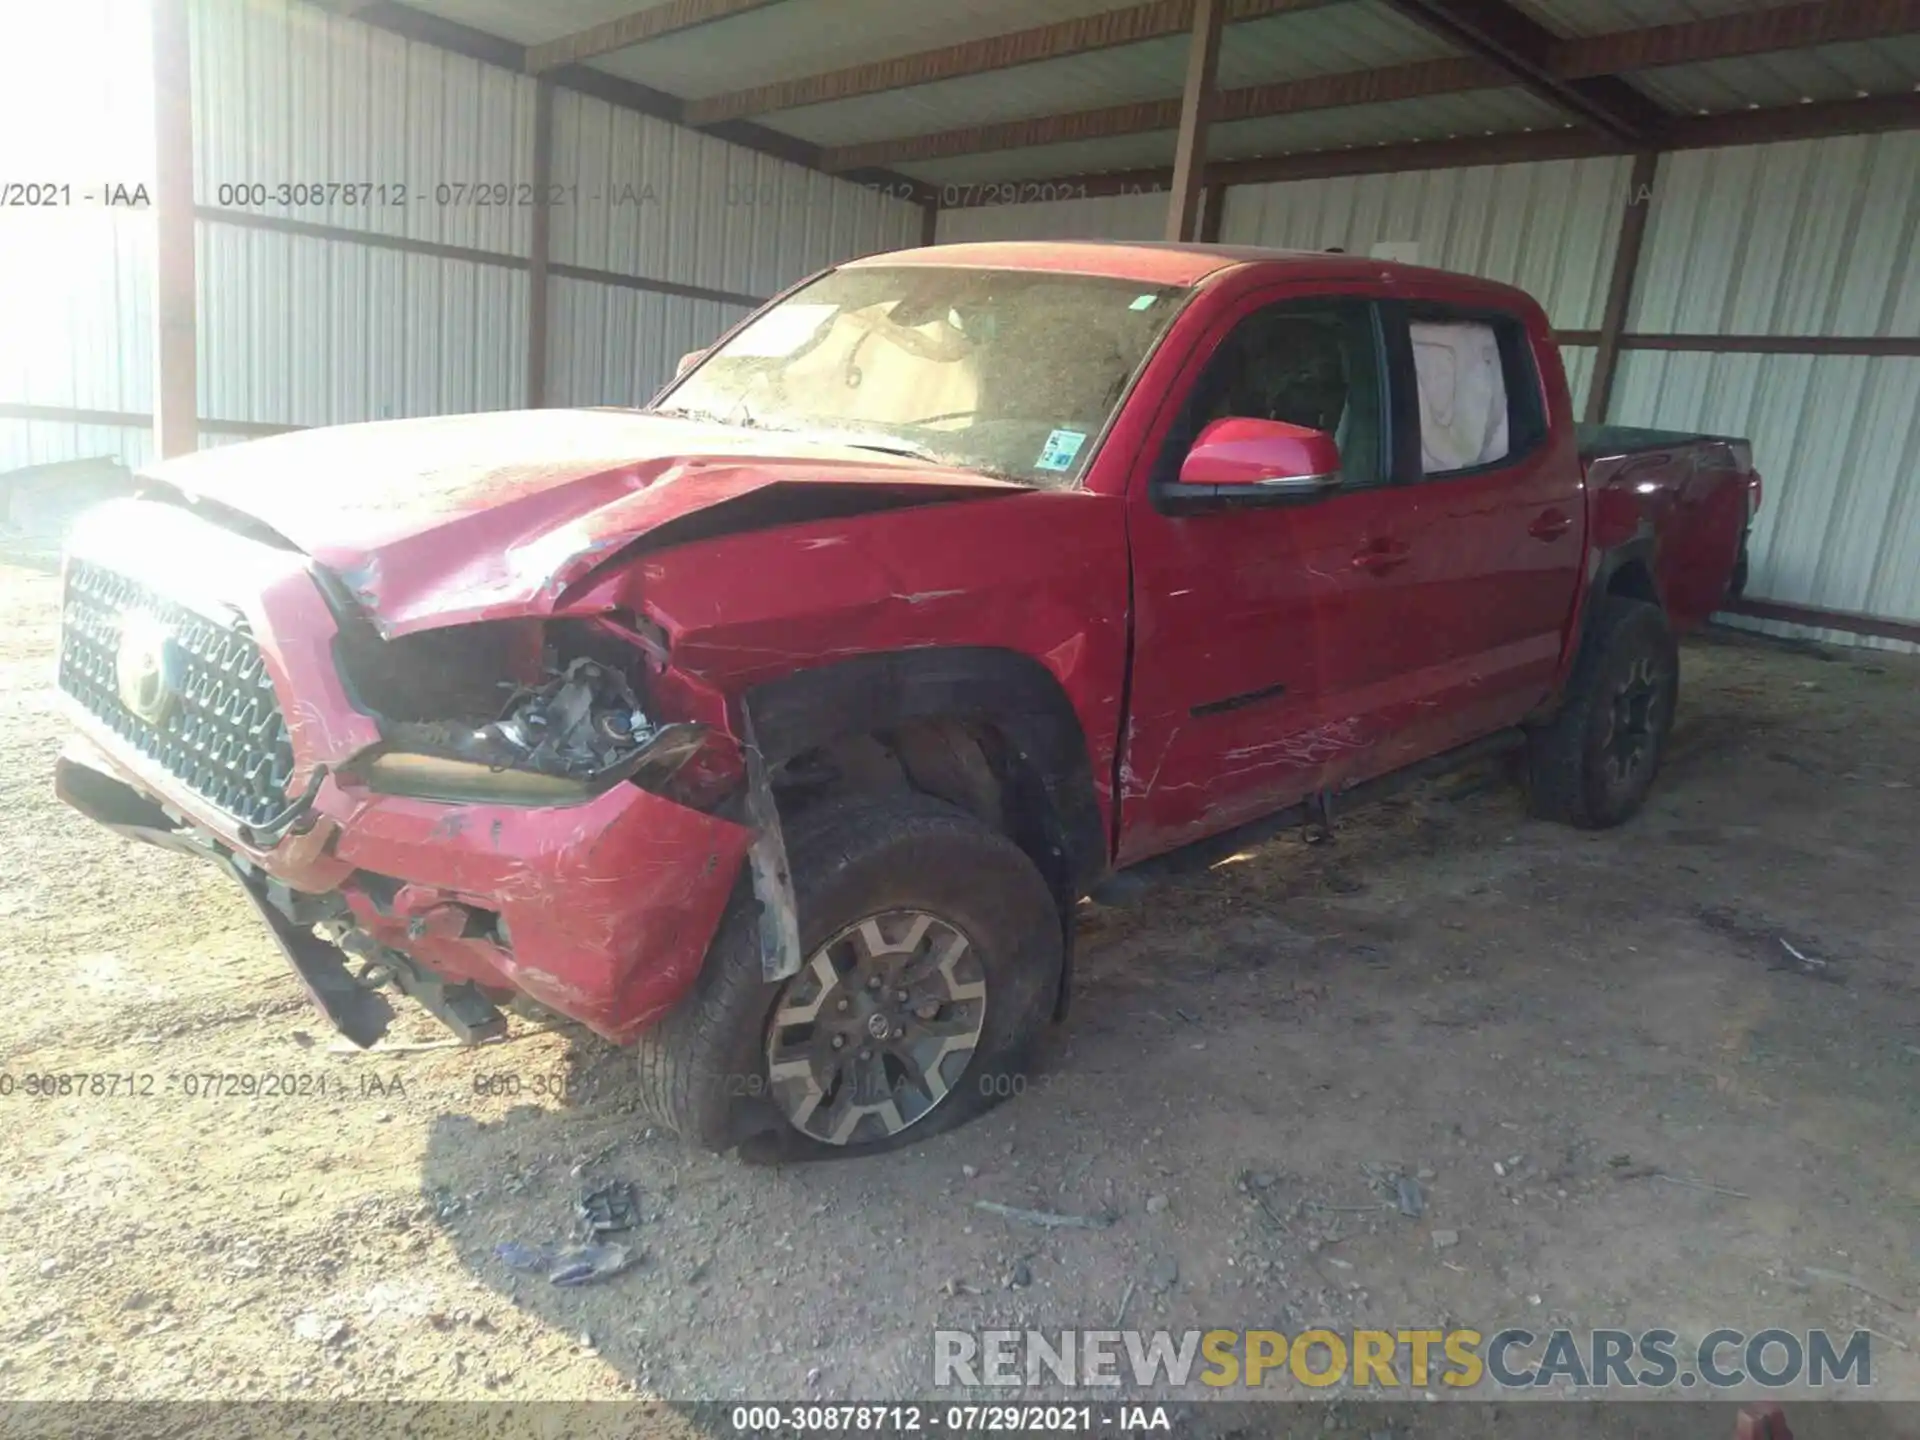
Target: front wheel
[932, 949]
[1594, 762]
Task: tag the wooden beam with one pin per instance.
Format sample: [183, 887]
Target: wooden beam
[130, 420]
[176, 420]
[1693, 42]
[1849, 621]
[1196, 111]
[1872, 115]
[1744, 127]
[405, 245]
[1724, 37]
[412, 24]
[1496, 31]
[1626, 270]
[1881, 347]
[634, 29]
[1212, 213]
[1154, 20]
[1285, 97]
[540, 244]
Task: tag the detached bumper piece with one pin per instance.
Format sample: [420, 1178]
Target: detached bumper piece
[357, 1012]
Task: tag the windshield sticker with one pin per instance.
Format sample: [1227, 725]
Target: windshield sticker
[779, 332]
[1061, 447]
[1145, 302]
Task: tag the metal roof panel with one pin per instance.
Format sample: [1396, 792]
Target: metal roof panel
[1788, 77]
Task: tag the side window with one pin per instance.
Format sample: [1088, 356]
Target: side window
[1478, 393]
[1314, 363]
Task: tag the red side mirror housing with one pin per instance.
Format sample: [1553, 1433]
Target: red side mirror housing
[1270, 457]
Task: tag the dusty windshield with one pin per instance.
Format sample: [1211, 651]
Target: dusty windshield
[1009, 371]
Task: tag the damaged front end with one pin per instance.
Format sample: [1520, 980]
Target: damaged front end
[561, 742]
[516, 747]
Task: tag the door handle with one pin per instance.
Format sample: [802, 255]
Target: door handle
[1550, 525]
[1377, 557]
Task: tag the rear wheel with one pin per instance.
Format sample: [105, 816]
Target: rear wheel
[932, 949]
[1594, 762]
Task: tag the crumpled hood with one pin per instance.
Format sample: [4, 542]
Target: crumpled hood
[469, 517]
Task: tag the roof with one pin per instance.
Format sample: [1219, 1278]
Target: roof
[1154, 262]
[954, 98]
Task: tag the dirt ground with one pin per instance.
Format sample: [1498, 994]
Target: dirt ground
[1624, 1100]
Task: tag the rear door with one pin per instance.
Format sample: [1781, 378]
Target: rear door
[1496, 516]
[1268, 633]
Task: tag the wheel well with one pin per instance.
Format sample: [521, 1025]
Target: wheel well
[989, 729]
[1634, 580]
[967, 762]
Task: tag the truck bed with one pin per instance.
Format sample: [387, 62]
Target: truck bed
[1603, 441]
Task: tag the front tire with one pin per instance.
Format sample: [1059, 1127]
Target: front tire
[1594, 762]
[931, 953]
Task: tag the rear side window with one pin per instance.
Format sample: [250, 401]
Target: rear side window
[1478, 393]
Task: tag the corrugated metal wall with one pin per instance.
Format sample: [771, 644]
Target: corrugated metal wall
[1108, 217]
[75, 278]
[1814, 238]
[306, 330]
[1549, 228]
[409, 146]
[642, 197]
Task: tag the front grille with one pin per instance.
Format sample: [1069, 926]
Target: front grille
[222, 735]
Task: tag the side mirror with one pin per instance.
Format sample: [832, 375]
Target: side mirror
[1262, 457]
[687, 362]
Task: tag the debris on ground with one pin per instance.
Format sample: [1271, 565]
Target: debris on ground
[1412, 1203]
[1444, 1239]
[1853, 1282]
[1654, 1172]
[1046, 1218]
[586, 1264]
[609, 1208]
[1163, 1273]
[319, 1329]
[569, 1266]
[1771, 944]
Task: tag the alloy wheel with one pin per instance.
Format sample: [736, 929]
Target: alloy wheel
[1636, 713]
[876, 1028]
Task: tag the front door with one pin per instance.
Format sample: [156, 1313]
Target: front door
[1269, 636]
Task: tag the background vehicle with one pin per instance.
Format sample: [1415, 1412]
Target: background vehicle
[779, 728]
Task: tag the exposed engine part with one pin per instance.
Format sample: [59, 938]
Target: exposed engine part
[582, 722]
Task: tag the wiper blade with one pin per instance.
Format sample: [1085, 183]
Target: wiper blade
[862, 440]
[912, 452]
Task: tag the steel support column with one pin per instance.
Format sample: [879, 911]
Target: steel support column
[1626, 270]
[540, 246]
[176, 419]
[1196, 108]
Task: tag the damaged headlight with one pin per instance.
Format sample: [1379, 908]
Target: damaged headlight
[562, 743]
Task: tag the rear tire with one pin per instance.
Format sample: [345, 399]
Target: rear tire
[1594, 762]
[949, 915]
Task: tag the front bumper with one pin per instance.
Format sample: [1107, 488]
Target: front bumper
[601, 911]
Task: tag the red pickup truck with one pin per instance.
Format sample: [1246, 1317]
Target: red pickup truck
[778, 728]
